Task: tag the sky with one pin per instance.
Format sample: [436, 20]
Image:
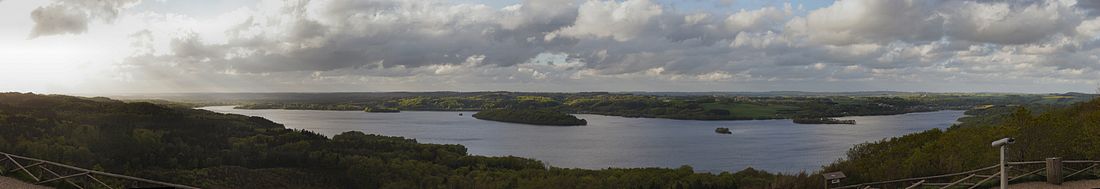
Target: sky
[164, 46]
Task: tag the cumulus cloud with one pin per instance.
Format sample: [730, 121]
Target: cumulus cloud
[621, 21]
[759, 19]
[1005, 23]
[1000, 22]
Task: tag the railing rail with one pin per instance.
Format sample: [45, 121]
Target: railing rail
[74, 176]
[1018, 167]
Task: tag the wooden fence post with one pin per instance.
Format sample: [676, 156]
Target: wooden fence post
[1054, 171]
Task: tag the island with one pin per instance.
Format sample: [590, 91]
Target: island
[381, 110]
[533, 117]
[823, 121]
[723, 130]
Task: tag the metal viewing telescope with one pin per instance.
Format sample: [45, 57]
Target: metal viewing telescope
[1003, 144]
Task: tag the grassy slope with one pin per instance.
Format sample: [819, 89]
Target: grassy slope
[1071, 132]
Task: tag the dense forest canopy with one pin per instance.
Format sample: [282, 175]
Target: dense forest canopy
[214, 150]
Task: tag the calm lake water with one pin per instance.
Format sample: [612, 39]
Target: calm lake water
[608, 141]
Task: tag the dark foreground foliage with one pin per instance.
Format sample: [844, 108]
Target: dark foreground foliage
[213, 150]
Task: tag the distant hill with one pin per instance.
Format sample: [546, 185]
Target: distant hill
[686, 105]
[826, 94]
[781, 93]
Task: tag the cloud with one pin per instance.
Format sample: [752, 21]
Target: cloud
[73, 16]
[860, 21]
[1092, 7]
[759, 19]
[58, 19]
[999, 22]
[1005, 23]
[621, 21]
[586, 45]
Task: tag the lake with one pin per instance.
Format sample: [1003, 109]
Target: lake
[609, 141]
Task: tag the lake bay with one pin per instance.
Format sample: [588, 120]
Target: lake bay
[609, 141]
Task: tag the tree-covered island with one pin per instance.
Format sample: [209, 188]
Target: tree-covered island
[533, 117]
[381, 110]
[823, 120]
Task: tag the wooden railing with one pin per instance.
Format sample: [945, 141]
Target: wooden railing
[1051, 169]
[44, 172]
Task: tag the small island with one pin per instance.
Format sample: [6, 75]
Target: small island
[723, 130]
[381, 110]
[533, 117]
[823, 121]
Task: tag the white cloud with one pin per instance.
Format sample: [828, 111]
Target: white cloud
[1005, 23]
[757, 20]
[619, 20]
[859, 21]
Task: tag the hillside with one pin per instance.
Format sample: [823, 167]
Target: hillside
[1070, 132]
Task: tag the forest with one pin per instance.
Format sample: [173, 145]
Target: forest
[213, 150]
[534, 117]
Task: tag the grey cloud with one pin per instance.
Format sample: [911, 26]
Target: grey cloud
[362, 33]
[1091, 6]
[73, 16]
[107, 10]
[722, 3]
[861, 21]
[539, 16]
[1002, 22]
[670, 39]
[58, 19]
[987, 22]
[429, 41]
[306, 29]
